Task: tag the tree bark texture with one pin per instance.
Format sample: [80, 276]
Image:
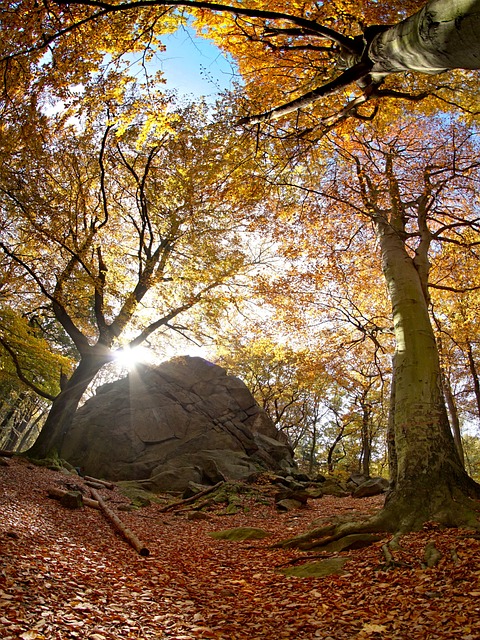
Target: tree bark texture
[428, 472]
[366, 442]
[473, 370]
[64, 406]
[56, 493]
[454, 419]
[443, 35]
[129, 536]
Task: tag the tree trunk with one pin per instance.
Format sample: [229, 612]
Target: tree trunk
[331, 450]
[473, 370]
[366, 453]
[455, 420]
[129, 536]
[452, 409]
[57, 493]
[29, 433]
[429, 475]
[442, 35]
[313, 449]
[50, 439]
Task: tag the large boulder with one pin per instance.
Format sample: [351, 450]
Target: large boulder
[183, 421]
[371, 487]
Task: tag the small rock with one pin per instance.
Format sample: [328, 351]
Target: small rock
[333, 487]
[197, 515]
[289, 494]
[355, 480]
[301, 477]
[192, 489]
[315, 492]
[289, 504]
[72, 500]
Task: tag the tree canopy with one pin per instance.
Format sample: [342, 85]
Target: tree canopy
[359, 164]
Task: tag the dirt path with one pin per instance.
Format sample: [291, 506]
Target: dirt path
[66, 574]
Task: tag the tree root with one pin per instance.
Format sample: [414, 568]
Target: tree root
[431, 555]
[319, 539]
[398, 516]
[390, 561]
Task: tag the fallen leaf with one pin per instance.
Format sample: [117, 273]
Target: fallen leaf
[373, 628]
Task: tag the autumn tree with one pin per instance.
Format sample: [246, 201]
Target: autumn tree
[122, 241]
[299, 63]
[412, 197]
[329, 300]
[289, 383]
[313, 51]
[456, 305]
[30, 370]
[316, 375]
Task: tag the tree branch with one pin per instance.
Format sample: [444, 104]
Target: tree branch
[175, 312]
[20, 374]
[349, 44]
[453, 289]
[61, 313]
[355, 73]
[102, 176]
[100, 293]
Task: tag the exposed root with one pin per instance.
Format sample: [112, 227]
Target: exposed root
[390, 561]
[431, 555]
[398, 516]
[324, 537]
[302, 559]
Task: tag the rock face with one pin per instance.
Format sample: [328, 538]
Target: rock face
[185, 420]
[371, 487]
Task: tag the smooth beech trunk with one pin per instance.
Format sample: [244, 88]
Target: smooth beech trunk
[443, 35]
[428, 478]
[65, 405]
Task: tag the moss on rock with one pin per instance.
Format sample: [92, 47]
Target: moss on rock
[239, 534]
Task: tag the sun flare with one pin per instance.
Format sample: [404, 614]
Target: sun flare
[127, 358]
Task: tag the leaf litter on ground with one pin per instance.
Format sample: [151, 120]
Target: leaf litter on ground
[66, 574]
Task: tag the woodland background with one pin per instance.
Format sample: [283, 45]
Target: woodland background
[318, 219]
[130, 217]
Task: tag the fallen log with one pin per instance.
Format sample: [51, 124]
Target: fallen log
[108, 485]
[130, 537]
[58, 494]
[94, 485]
[180, 503]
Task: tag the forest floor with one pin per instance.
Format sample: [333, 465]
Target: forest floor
[66, 574]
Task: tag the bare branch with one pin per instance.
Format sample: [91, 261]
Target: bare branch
[349, 44]
[453, 289]
[102, 176]
[100, 292]
[357, 72]
[61, 313]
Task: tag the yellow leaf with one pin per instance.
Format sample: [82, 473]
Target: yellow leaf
[374, 628]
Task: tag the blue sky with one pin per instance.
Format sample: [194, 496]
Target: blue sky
[192, 65]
